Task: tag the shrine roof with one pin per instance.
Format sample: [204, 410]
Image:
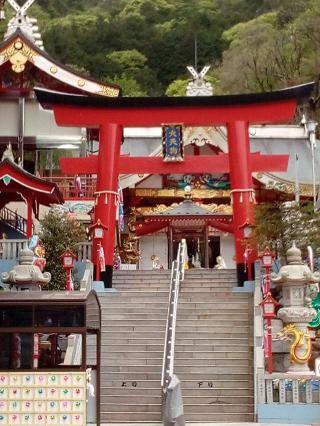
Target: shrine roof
[47, 98]
[14, 179]
[18, 49]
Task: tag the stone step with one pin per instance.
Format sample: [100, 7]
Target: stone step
[188, 408]
[119, 416]
[181, 328]
[120, 389]
[111, 334]
[126, 352]
[223, 392]
[153, 284]
[124, 317]
[135, 327]
[146, 308]
[126, 362]
[217, 408]
[131, 399]
[218, 383]
[195, 376]
[209, 326]
[132, 334]
[207, 362]
[179, 370]
[155, 322]
[109, 347]
[131, 384]
[220, 417]
[199, 308]
[131, 408]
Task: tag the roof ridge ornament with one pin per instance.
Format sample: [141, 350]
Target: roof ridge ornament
[21, 21]
[199, 86]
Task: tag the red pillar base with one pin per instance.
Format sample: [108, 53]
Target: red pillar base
[242, 273]
[105, 276]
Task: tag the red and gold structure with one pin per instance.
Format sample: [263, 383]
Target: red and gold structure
[235, 112]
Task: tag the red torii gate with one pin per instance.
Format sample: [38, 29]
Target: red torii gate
[235, 112]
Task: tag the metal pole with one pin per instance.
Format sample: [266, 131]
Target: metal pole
[311, 127]
[269, 336]
[312, 142]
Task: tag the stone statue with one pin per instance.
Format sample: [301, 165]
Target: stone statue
[26, 276]
[8, 154]
[221, 264]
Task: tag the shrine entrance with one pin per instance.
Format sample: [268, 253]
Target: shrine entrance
[235, 112]
[202, 249]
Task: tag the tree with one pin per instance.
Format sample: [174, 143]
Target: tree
[286, 223]
[58, 232]
[177, 88]
[269, 57]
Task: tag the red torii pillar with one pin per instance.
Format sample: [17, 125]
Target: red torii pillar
[242, 192]
[234, 111]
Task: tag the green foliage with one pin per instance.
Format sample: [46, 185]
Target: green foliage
[177, 88]
[287, 223]
[58, 232]
[147, 44]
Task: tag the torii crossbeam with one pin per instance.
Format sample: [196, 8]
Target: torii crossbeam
[235, 112]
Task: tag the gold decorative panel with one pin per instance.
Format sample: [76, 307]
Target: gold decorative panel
[18, 53]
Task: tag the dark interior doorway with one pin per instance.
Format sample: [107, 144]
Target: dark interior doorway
[214, 250]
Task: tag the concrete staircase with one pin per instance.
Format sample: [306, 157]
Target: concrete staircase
[133, 330]
[213, 353]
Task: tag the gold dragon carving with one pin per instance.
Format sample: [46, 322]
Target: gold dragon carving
[300, 338]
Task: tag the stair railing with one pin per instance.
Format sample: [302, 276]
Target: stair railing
[177, 275]
[14, 220]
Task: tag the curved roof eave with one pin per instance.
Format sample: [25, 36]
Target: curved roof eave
[49, 97]
[48, 192]
[45, 63]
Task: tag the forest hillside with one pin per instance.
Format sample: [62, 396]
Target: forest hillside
[145, 45]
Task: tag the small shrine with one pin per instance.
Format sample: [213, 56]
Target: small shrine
[296, 312]
[196, 222]
[26, 275]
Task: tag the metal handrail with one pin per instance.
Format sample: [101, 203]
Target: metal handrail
[177, 275]
[14, 220]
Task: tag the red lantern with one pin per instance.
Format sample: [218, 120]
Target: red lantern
[68, 259]
[269, 305]
[98, 230]
[266, 259]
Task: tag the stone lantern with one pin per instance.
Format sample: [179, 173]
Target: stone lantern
[296, 312]
[26, 275]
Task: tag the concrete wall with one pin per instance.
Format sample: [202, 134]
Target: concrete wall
[153, 244]
[289, 413]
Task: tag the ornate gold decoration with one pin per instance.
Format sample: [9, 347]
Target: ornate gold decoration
[108, 91]
[18, 53]
[171, 193]
[129, 251]
[300, 339]
[81, 83]
[53, 70]
[160, 208]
